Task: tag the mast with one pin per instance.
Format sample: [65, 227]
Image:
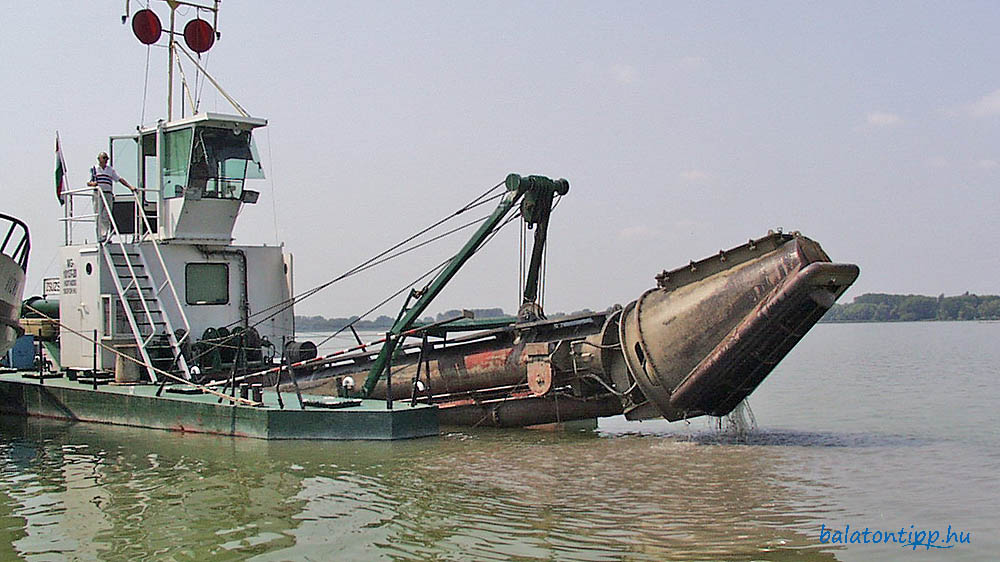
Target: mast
[199, 36]
[170, 63]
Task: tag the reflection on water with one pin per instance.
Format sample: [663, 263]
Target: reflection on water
[835, 446]
[493, 495]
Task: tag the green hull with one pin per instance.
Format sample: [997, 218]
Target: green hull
[138, 406]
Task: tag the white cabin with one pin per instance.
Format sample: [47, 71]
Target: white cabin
[169, 270]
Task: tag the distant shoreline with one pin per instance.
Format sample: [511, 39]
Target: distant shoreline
[867, 308]
[322, 324]
[881, 307]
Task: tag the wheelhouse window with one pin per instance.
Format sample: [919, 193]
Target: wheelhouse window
[221, 160]
[176, 155]
[124, 158]
[149, 167]
[206, 283]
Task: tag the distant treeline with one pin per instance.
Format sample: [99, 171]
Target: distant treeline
[871, 307]
[321, 324]
[878, 307]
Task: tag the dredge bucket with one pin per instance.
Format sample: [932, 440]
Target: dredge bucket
[708, 334]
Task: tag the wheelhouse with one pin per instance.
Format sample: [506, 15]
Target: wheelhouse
[192, 173]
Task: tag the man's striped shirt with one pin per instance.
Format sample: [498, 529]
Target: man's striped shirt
[105, 177]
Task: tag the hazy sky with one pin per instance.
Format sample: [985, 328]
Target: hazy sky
[683, 128]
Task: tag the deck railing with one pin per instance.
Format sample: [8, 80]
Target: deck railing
[80, 209]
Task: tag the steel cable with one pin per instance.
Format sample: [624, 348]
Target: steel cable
[379, 259]
[415, 281]
[364, 265]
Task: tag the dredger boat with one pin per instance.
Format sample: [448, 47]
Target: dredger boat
[165, 323]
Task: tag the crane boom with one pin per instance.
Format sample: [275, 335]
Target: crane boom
[536, 189]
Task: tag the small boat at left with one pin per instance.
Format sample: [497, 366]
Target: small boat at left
[13, 265]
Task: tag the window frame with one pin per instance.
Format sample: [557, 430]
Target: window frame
[188, 284]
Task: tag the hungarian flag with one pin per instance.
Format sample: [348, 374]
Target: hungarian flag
[60, 172]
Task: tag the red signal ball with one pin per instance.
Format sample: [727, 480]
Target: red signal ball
[199, 35]
[146, 27]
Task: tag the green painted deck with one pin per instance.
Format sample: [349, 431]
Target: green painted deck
[138, 406]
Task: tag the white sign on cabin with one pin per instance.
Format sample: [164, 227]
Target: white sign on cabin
[50, 286]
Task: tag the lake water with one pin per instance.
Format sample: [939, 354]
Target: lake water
[884, 426]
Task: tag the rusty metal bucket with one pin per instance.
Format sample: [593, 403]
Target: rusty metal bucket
[704, 339]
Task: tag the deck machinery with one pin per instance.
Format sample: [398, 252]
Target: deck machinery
[698, 343]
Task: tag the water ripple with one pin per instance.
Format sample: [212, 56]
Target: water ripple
[913, 452]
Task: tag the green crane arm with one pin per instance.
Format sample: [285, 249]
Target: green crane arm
[533, 188]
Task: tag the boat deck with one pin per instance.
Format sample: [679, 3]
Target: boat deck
[137, 405]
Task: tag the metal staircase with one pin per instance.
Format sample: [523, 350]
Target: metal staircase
[142, 300]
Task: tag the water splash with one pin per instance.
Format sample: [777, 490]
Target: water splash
[738, 424]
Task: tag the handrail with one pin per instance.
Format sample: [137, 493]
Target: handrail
[70, 216]
[129, 313]
[139, 210]
[23, 247]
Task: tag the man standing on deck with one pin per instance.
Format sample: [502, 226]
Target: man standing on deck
[103, 177]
